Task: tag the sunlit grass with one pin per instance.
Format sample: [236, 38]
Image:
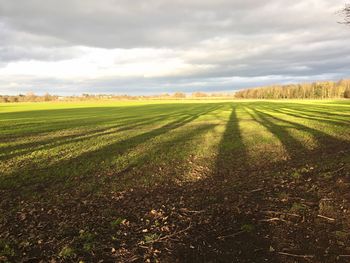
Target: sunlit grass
[70, 144]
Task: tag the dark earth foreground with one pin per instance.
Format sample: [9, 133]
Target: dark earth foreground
[295, 210]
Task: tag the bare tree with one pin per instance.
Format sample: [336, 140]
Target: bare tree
[179, 95]
[346, 12]
[316, 90]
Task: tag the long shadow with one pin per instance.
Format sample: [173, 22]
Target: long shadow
[42, 121]
[82, 136]
[92, 161]
[145, 173]
[121, 125]
[59, 119]
[232, 154]
[322, 137]
[313, 110]
[232, 168]
[309, 112]
[225, 241]
[214, 234]
[74, 124]
[322, 111]
[292, 145]
[211, 220]
[311, 117]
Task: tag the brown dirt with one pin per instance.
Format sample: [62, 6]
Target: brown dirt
[270, 214]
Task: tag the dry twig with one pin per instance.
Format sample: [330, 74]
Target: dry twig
[167, 236]
[326, 217]
[256, 190]
[295, 255]
[273, 219]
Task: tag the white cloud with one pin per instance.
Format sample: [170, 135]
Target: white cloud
[72, 46]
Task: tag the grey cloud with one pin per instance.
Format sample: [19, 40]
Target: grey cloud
[246, 42]
[121, 23]
[139, 86]
[18, 53]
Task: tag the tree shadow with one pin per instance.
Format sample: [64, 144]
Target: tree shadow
[221, 230]
[43, 145]
[216, 219]
[322, 111]
[118, 122]
[294, 147]
[312, 117]
[311, 112]
[232, 155]
[43, 121]
[228, 230]
[91, 162]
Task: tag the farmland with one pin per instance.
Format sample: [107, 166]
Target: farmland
[191, 180]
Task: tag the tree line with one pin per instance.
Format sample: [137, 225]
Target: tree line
[315, 90]
[31, 97]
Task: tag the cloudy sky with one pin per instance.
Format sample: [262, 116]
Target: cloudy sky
[153, 46]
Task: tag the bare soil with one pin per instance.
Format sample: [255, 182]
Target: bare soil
[235, 215]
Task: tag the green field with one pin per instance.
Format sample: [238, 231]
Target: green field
[76, 176]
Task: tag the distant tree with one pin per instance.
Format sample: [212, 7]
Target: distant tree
[179, 95]
[319, 90]
[347, 93]
[47, 97]
[4, 99]
[30, 96]
[199, 94]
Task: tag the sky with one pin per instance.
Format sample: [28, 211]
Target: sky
[68, 47]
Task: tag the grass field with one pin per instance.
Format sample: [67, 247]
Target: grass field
[164, 180]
